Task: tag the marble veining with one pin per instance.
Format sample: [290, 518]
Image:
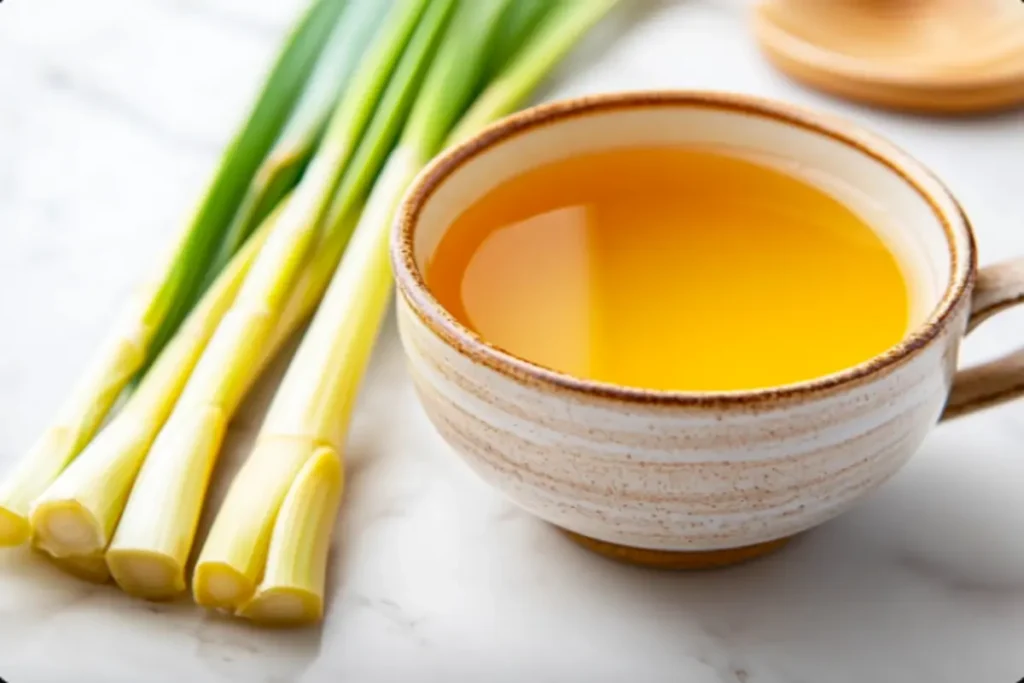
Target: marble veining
[434, 577]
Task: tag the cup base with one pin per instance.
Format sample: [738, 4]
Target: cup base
[678, 560]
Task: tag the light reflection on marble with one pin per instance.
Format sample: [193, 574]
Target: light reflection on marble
[108, 124]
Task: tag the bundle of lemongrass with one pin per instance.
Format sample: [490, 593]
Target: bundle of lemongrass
[294, 224]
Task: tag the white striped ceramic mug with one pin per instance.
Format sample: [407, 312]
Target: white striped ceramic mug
[699, 479]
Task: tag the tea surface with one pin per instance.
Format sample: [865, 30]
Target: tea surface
[671, 268]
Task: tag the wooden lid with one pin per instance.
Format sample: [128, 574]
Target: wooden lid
[940, 56]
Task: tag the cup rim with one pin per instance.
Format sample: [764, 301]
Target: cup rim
[411, 284]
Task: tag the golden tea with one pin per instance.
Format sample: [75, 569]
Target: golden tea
[672, 268]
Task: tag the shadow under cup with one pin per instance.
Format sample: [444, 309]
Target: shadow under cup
[684, 479]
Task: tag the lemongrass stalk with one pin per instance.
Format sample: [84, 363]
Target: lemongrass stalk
[295, 146]
[308, 419]
[310, 411]
[234, 555]
[217, 581]
[318, 392]
[154, 536]
[157, 308]
[77, 514]
[292, 592]
[568, 23]
[315, 400]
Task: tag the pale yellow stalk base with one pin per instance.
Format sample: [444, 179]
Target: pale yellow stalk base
[150, 548]
[292, 589]
[233, 556]
[77, 514]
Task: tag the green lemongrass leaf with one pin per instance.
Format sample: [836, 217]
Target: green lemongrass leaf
[368, 84]
[392, 111]
[266, 192]
[282, 88]
[455, 76]
[520, 22]
[298, 140]
[568, 23]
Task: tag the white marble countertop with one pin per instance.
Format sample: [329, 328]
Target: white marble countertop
[111, 115]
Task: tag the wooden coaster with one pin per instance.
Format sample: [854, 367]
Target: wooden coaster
[935, 56]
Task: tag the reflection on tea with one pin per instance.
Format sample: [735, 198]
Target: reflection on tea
[671, 268]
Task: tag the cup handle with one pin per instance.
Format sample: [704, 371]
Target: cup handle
[997, 288]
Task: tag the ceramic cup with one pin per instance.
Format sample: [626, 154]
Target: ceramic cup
[682, 479]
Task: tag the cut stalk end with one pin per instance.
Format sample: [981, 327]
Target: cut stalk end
[284, 606]
[218, 585]
[292, 589]
[66, 528]
[146, 574]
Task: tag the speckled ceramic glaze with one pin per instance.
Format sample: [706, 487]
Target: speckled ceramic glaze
[700, 479]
